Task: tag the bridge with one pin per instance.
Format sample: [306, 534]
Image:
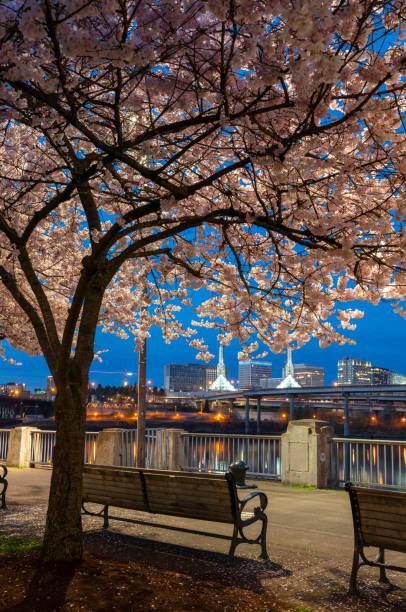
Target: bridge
[362, 397]
[12, 407]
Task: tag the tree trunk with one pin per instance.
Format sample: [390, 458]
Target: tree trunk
[63, 532]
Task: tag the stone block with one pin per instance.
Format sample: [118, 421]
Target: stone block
[19, 447]
[109, 449]
[305, 453]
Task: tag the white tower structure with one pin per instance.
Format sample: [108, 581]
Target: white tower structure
[289, 373]
[221, 383]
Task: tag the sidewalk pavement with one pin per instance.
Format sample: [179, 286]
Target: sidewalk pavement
[310, 539]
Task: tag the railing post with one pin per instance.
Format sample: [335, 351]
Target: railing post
[258, 415]
[347, 457]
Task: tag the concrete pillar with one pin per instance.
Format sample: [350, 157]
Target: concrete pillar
[174, 444]
[291, 407]
[347, 458]
[247, 415]
[109, 449]
[305, 453]
[19, 447]
[258, 415]
[346, 416]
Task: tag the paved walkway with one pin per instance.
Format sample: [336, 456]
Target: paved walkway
[310, 542]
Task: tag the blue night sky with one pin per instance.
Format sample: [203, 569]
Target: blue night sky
[380, 336]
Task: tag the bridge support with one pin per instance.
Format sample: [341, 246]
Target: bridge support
[291, 407]
[247, 415]
[258, 415]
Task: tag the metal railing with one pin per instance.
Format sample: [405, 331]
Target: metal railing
[155, 440]
[368, 462]
[215, 452]
[4, 438]
[43, 442]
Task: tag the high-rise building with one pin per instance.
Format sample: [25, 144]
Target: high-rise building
[354, 372]
[251, 372]
[380, 376]
[308, 375]
[189, 376]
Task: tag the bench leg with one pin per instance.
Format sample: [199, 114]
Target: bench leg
[233, 545]
[106, 517]
[264, 553]
[382, 571]
[353, 578]
[3, 495]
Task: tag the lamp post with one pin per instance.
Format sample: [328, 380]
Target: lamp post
[142, 379]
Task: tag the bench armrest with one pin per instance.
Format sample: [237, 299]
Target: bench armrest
[263, 500]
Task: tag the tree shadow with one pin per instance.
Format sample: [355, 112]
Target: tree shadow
[196, 563]
[48, 587]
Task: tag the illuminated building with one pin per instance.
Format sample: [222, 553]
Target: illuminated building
[397, 379]
[250, 373]
[381, 376]
[189, 376]
[14, 389]
[269, 383]
[354, 372]
[308, 375]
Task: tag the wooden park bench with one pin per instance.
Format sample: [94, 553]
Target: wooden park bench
[3, 481]
[204, 497]
[379, 519]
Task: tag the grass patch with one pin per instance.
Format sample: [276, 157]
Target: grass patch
[310, 488]
[302, 609]
[12, 544]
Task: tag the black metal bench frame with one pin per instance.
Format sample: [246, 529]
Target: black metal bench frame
[379, 560]
[3, 481]
[240, 523]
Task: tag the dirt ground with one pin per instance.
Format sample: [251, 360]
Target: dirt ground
[122, 573]
[131, 567]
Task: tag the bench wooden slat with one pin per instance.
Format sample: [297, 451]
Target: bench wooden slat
[384, 542]
[385, 530]
[397, 512]
[113, 470]
[159, 497]
[117, 502]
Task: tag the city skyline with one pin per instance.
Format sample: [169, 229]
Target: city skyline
[380, 337]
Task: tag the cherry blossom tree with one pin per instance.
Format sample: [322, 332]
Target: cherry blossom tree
[148, 149]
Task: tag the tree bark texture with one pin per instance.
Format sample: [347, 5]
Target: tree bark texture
[63, 532]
